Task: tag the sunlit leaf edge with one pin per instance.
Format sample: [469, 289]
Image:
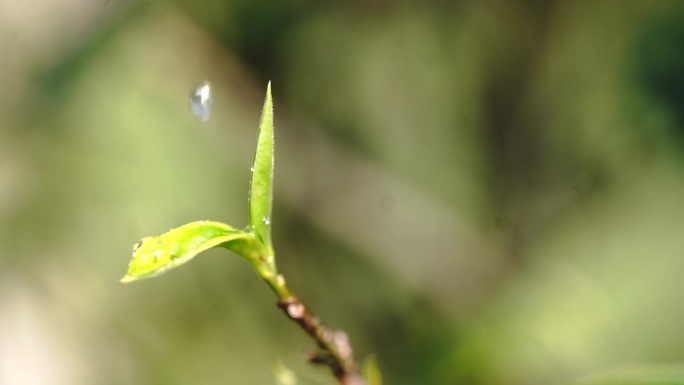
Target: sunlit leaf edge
[154, 256]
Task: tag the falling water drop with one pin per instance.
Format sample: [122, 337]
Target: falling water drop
[200, 101]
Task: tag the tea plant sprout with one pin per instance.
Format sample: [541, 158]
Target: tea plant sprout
[153, 256]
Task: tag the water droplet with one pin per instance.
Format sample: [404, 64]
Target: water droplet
[200, 101]
[251, 168]
[267, 220]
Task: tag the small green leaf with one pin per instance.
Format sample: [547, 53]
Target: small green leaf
[371, 371]
[283, 375]
[261, 192]
[153, 256]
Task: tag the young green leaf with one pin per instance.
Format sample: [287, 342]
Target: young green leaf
[153, 256]
[261, 189]
[371, 371]
[283, 375]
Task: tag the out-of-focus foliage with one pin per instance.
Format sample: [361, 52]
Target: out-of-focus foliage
[371, 371]
[479, 192]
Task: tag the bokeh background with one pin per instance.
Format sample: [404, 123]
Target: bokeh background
[479, 192]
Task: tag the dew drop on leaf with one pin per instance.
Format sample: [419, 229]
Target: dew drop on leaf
[200, 101]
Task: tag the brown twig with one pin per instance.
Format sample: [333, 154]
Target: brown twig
[334, 349]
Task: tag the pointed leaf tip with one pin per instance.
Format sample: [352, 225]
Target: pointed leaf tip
[261, 189]
[126, 279]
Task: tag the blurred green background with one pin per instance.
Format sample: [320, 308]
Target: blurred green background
[479, 192]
